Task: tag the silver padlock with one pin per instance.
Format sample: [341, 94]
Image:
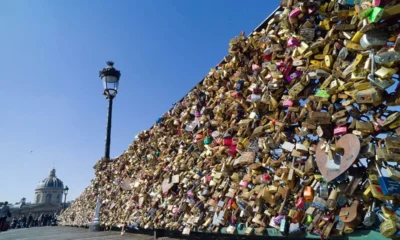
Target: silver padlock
[370, 216]
[387, 57]
[381, 84]
[374, 39]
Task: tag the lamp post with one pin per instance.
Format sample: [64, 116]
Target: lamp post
[65, 195]
[110, 77]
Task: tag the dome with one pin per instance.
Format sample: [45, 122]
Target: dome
[51, 181]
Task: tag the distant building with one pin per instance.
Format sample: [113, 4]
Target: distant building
[48, 199]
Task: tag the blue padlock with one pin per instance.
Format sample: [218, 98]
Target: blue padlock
[388, 185]
[239, 85]
[240, 226]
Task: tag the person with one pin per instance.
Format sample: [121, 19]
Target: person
[30, 219]
[45, 218]
[14, 223]
[4, 214]
[41, 219]
[19, 222]
[23, 221]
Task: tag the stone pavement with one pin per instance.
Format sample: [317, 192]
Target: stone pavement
[66, 233]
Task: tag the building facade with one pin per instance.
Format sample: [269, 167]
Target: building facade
[47, 200]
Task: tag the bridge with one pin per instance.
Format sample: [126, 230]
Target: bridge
[67, 233]
[75, 233]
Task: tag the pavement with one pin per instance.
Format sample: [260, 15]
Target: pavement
[66, 233]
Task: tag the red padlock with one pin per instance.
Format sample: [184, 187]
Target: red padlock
[227, 141]
[300, 202]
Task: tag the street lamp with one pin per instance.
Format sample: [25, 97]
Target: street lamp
[110, 77]
[65, 195]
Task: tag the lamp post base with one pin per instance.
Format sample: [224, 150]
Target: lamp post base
[94, 226]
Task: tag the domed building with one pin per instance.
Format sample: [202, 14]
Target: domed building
[50, 190]
[48, 198]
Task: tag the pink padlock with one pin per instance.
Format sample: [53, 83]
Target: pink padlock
[287, 103]
[190, 193]
[256, 67]
[280, 64]
[230, 201]
[209, 178]
[376, 3]
[294, 13]
[243, 183]
[291, 42]
[340, 130]
[175, 210]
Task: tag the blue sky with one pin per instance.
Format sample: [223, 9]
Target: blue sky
[50, 55]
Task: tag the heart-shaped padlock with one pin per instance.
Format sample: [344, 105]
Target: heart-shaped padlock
[351, 146]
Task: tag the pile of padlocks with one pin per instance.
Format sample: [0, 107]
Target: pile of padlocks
[296, 130]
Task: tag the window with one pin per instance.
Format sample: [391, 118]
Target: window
[38, 198]
[48, 198]
[59, 198]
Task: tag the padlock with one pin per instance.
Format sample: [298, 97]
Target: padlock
[370, 95]
[323, 190]
[319, 203]
[376, 14]
[390, 120]
[298, 216]
[387, 227]
[340, 130]
[287, 103]
[388, 185]
[370, 217]
[393, 144]
[393, 173]
[386, 57]
[373, 39]
[382, 73]
[284, 226]
[350, 215]
[331, 203]
[319, 118]
[308, 194]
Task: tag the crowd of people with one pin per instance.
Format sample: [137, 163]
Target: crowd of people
[25, 221]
